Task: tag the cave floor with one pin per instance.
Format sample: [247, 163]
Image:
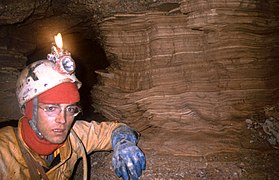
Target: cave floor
[254, 159]
[176, 154]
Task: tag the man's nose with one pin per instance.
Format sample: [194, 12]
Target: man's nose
[61, 117]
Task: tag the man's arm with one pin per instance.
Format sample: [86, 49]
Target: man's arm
[95, 136]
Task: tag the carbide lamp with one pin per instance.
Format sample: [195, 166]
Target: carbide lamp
[62, 58]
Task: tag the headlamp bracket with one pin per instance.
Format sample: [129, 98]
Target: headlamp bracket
[64, 63]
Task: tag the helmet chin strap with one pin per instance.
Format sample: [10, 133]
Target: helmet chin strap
[33, 122]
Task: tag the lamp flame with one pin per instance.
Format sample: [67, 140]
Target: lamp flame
[58, 40]
[62, 58]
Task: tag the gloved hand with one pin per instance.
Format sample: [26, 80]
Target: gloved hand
[127, 160]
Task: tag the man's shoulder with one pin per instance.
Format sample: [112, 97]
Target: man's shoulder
[7, 130]
[7, 135]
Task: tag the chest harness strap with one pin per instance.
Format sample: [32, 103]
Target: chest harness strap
[35, 169]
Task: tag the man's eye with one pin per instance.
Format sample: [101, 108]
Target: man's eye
[51, 108]
[72, 109]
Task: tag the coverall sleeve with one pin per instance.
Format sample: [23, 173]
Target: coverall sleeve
[95, 136]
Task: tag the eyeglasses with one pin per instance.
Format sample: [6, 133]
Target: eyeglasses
[53, 110]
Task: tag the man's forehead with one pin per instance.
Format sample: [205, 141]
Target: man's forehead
[61, 105]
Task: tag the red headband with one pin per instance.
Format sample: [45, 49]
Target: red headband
[65, 93]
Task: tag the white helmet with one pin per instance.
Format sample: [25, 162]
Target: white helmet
[43, 75]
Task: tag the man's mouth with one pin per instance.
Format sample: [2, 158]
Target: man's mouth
[59, 131]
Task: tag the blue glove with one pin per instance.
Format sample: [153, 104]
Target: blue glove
[127, 160]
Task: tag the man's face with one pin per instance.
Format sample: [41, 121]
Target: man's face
[55, 121]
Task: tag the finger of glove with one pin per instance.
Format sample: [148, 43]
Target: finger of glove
[116, 163]
[124, 172]
[120, 160]
[132, 166]
[139, 162]
[132, 161]
[135, 161]
[139, 157]
[142, 160]
[118, 172]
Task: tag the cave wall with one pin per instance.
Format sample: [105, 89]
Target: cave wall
[10, 63]
[202, 63]
[190, 76]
